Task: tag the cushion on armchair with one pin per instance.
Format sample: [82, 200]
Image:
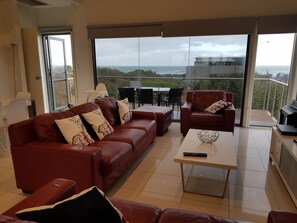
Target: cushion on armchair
[217, 106]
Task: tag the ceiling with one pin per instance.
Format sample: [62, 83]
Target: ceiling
[7, 20]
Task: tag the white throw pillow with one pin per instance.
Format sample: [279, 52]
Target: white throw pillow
[74, 131]
[124, 111]
[99, 123]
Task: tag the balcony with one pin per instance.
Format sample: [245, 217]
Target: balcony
[269, 95]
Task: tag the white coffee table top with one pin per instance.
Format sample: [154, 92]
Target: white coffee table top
[220, 154]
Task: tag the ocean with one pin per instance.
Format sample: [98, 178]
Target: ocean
[182, 69]
[272, 69]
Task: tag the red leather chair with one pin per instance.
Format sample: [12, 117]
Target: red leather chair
[193, 115]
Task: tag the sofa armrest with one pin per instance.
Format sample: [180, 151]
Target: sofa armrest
[38, 162]
[230, 118]
[281, 217]
[143, 115]
[185, 113]
[52, 192]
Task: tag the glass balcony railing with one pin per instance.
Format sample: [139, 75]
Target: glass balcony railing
[269, 95]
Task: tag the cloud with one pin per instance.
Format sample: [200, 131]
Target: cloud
[181, 51]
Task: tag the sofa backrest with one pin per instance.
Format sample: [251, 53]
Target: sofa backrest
[204, 98]
[46, 128]
[109, 109]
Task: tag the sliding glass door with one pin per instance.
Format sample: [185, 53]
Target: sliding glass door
[272, 73]
[208, 62]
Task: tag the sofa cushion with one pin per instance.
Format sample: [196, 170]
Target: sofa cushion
[135, 137]
[147, 125]
[46, 128]
[74, 131]
[124, 111]
[99, 123]
[110, 110]
[207, 119]
[90, 205]
[204, 98]
[115, 155]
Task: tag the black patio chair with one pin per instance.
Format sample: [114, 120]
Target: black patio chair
[173, 97]
[127, 92]
[145, 96]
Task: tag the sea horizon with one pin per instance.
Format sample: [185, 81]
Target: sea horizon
[268, 69]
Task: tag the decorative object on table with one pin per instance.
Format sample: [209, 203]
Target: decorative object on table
[208, 136]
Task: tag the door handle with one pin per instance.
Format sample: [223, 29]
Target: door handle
[37, 77]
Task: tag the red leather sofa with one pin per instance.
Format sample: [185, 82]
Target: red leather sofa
[133, 212]
[193, 114]
[40, 152]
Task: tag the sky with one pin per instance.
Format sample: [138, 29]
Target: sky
[275, 49]
[181, 51]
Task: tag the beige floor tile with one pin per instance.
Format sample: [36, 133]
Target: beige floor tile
[205, 207]
[8, 200]
[164, 184]
[148, 164]
[245, 139]
[125, 193]
[159, 152]
[252, 198]
[5, 174]
[6, 162]
[249, 178]
[136, 180]
[8, 185]
[276, 181]
[206, 198]
[171, 154]
[250, 164]
[247, 152]
[284, 201]
[168, 167]
[268, 165]
[160, 200]
[243, 214]
[264, 153]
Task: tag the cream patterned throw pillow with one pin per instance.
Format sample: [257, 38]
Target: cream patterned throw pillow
[124, 111]
[217, 106]
[74, 131]
[99, 123]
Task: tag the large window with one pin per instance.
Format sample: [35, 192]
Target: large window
[200, 62]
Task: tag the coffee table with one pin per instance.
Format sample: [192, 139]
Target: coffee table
[220, 154]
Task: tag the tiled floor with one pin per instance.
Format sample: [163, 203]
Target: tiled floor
[254, 188]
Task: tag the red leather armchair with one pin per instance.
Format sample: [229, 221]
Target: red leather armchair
[193, 115]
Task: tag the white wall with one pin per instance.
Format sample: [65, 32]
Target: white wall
[10, 34]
